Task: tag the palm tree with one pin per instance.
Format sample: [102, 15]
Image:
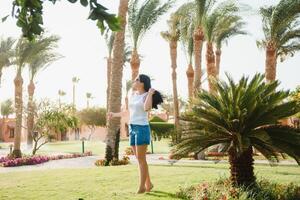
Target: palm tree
[6, 110]
[128, 87]
[39, 62]
[109, 37]
[186, 37]
[75, 80]
[201, 8]
[115, 96]
[172, 36]
[213, 22]
[242, 115]
[24, 53]
[282, 31]
[231, 28]
[61, 93]
[6, 53]
[140, 20]
[88, 97]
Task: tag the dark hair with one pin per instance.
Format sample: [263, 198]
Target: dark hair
[157, 98]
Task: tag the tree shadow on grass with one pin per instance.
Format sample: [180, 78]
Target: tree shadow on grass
[161, 194]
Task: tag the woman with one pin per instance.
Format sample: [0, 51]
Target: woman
[142, 100]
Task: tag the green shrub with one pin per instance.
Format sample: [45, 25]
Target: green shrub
[161, 129]
[156, 119]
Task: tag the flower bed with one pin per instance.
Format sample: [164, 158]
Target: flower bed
[222, 190]
[34, 160]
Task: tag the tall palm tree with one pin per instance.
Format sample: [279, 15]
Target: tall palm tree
[242, 115]
[39, 62]
[116, 84]
[201, 8]
[61, 93]
[75, 80]
[128, 87]
[140, 20]
[213, 22]
[282, 31]
[172, 37]
[186, 37]
[88, 97]
[109, 38]
[231, 28]
[6, 53]
[6, 110]
[24, 53]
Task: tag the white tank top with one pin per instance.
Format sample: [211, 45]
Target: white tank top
[137, 114]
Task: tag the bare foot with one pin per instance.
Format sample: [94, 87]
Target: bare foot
[141, 191]
[149, 189]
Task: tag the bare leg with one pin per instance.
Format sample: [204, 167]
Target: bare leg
[148, 184]
[143, 167]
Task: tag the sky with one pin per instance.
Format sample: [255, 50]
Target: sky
[84, 51]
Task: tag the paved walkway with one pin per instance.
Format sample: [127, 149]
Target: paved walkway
[88, 162]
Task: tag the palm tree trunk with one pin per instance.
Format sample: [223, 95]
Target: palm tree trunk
[135, 64]
[198, 43]
[116, 83]
[3, 125]
[173, 52]
[190, 78]
[218, 60]
[59, 101]
[211, 68]
[18, 81]
[271, 62]
[73, 97]
[30, 117]
[241, 167]
[108, 76]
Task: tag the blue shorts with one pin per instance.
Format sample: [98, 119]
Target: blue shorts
[139, 135]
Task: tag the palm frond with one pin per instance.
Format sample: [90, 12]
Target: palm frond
[142, 18]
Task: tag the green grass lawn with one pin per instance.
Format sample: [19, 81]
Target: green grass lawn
[121, 182]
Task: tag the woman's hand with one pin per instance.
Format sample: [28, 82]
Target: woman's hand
[151, 91]
[110, 115]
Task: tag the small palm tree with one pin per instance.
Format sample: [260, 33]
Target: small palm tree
[75, 80]
[88, 97]
[172, 37]
[128, 87]
[242, 115]
[7, 109]
[61, 93]
[140, 20]
[281, 29]
[6, 53]
[38, 63]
